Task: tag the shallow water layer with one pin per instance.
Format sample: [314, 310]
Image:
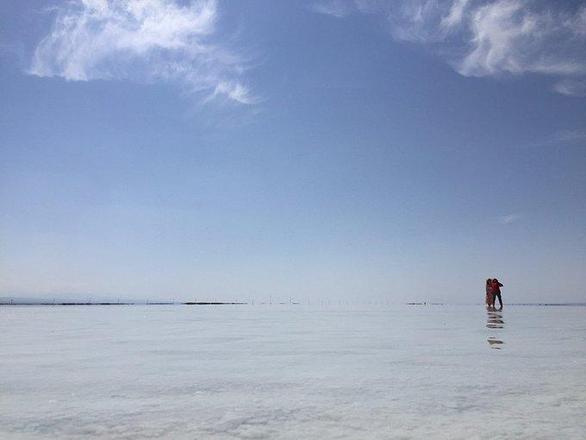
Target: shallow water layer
[255, 372]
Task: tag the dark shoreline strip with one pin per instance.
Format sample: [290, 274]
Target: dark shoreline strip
[218, 303]
[121, 304]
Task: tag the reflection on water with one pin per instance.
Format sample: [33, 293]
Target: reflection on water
[495, 322]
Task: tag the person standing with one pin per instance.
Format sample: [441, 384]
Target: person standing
[496, 292]
[489, 295]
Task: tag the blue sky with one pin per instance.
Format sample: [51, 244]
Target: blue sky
[361, 150]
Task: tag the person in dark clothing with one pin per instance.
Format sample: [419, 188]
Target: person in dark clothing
[496, 292]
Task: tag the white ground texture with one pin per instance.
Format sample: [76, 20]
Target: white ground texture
[292, 372]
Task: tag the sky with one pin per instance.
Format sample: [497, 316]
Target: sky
[343, 150]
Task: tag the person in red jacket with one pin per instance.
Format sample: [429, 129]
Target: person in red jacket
[489, 295]
[496, 292]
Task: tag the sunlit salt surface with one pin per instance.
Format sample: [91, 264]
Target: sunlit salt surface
[274, 372]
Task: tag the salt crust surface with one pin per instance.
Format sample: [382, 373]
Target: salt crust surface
[292, 372]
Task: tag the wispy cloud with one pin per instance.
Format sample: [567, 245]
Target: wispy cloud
[145, 41]
[485, 38]
[511, 37]
[560, 138]
[508, 219]
[335, 8]
[571, 136]
[571, 87]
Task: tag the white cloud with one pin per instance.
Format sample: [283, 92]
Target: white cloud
[455, 15]
[142, 40]
[234, 91]
[510, 37]
[571, 87]
[410, 21]
[335, 8]
[486, 38]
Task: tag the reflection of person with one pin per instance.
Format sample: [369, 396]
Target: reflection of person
[496, 292]
[489, 295]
